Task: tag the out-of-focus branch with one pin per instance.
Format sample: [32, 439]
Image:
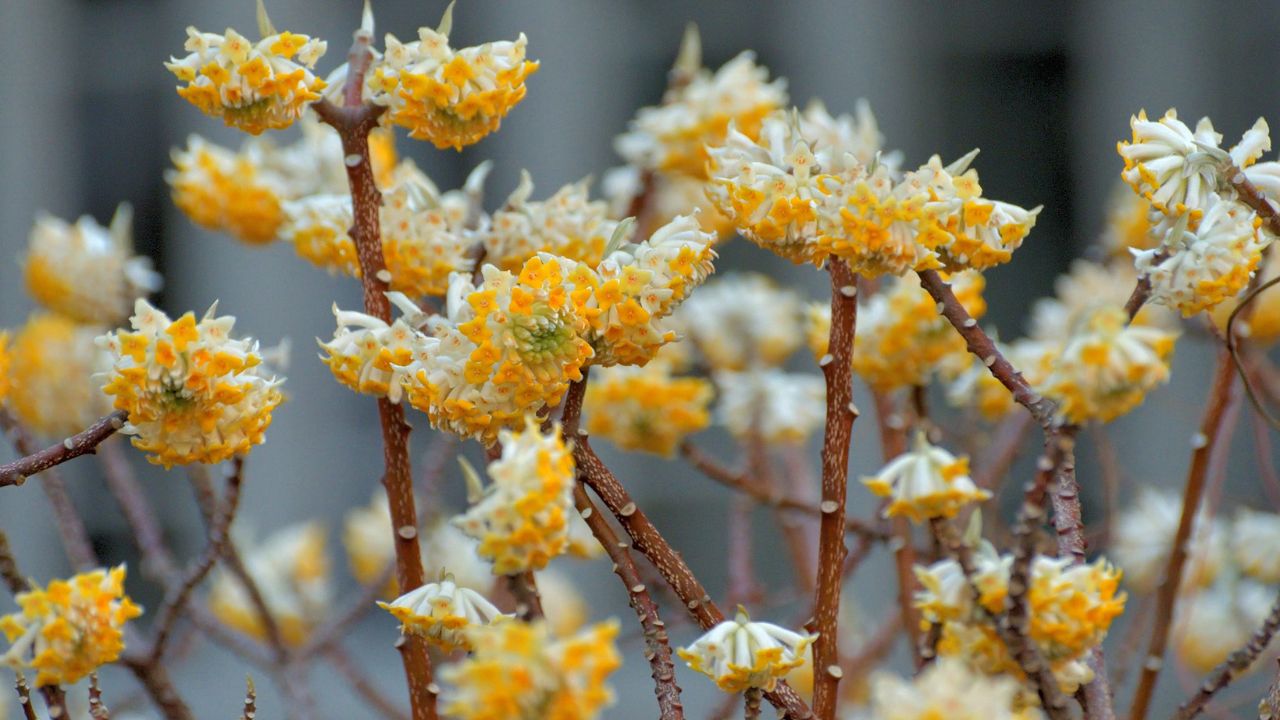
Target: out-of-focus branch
[893, 442]
[24, 698]
[1233, 666]
[363, 686]
[9, 573]
[82, 443]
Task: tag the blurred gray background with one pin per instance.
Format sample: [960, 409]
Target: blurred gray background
[1045, 89]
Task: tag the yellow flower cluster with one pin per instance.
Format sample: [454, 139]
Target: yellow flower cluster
[568, 224]
[193, 393]
[52, 363]
[646, 408]
[672, 138]
[742, 321]
[1262, 323]
[70, 628]
[1212, 624]
[740, 654]
[1107, 367]
[1143, 540]
[292, 571]
[522, 520]
[926, 482]
[518, 671]
[948, 689]
[243, 192]
[254, 87]
[1071, 608]
[372, 357]
[86, 272]
[902, 341]
[452, 98]
[441, 612]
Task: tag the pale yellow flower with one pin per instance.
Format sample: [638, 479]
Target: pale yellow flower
[740, 654]
[926, 482]
[646, 408]
[441, 612]
[52, 363]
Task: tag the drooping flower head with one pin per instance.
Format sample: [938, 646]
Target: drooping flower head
[450, 97]
[52, 363]
[252, 86]
[568, 224]
[522, 519]
[518, 671]
[741, 321]
[1197, 270]
[441, 612]
[672, 138]
[740, 654]
[372, 357]
[86, 272]
[770, 405]
[926, 482]
[193, 393]
[292, 571]
[646, 408]
[1108, 367]
[69, 628]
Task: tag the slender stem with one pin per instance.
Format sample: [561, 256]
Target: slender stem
[250, 700]
[1235, 665]
[363, 686]
[837, 370]
[657, 645]
[353, 123]
[1250, 195]
[751, 704]
[97, 710]
[649, 541]
[9, 573]
[893, 442]
[82, 443]
[55, 701]
[24, 697]
[524, 589]
[219, 532]
[1167, 596]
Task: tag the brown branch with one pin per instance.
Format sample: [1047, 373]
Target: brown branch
[795, 531]
[82, 443]
[250, 700]
[1250, 195]
[1167, 596]
[524, 589]
[657, 645]
[1142, 291]
[893, 442]
[97, 711]
[24, 697]
[55, 701]
[751, 704]
[649, 541]
[219, 533]
[335, 630]
[837, 370]
[1235, 664]
[353, 123]
[713, 470]
[363, 686]
[9, 573]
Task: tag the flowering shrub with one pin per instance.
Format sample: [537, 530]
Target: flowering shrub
[539, 325]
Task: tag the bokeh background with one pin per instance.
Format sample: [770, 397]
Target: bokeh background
[89, 116]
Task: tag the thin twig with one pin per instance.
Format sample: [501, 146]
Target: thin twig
[9, 573]
[97, 710]
[837, 370]
[250, 700]
[336, 629]
[1167, 596]
[751, 704]
[364, 687]
[657, 645]
[1235, 664]
[82, 443]
[893, 442]
[649, 541]
[524, 589]
[55, 701]
[219, 532]
[24, 697]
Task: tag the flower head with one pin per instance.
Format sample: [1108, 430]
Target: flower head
[646, 408]
[568, 224]
[372, 357]
[1215, 622]
[1261, 324]
[69, 628]
[522, 520]
[1108, 366]
[948, 688]
[441, 612]
[741, 321]
[1144, 538]
[292, 571]
[770, 405]
[85, 271]
[451, 97]
[926, 482]
[52, 363]
[253, 86]
[1254, 537]
[740, 654]
[1195, 270]
[518, 671]
[1087, 287]
[672, 138]
[1178, 170]
[193, 393]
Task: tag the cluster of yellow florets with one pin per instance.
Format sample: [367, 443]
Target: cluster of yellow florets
[253, 86]
[292, 572]
[70, 628]
[52, 364]
[646, 408]
[518, 671]
[568, 224]
[1071, 608]
[740, 654]
[193, 393]
[372, 357]
[902, 341]
[926, 482]
[452, 98]
[442, 612]
[950, 689]
[522, 519]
